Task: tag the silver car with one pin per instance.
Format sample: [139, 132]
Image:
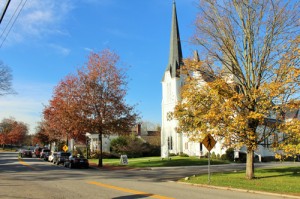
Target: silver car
[52, 156]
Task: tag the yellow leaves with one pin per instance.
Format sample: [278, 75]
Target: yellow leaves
[217, 105]
[256, 116]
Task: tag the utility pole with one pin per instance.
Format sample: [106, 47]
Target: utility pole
[4, 10]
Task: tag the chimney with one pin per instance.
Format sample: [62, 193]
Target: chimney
[138, 129]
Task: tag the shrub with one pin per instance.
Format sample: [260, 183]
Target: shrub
[230, 154]
[96, 155]
[223, 157]
[117, 145]
[181, 154]
[131, 146]
[213, 155]
[153, 150]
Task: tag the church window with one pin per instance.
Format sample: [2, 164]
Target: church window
[201, 147]
[170, 143]
[168, 91]
[186, 145]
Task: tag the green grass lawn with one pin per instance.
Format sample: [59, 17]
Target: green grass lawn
[157, 162]
[284, 180]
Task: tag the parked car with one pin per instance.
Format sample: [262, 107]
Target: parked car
[52, 156]
[25, 153]
[37, 151]
[44, 154]
[76, 161]
[61, 157]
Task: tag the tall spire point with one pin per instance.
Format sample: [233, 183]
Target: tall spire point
[175, 56]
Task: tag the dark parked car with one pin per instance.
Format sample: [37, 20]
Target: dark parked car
[61, 157]
[25, 153]
[76, 162]
[45, 154]
[37, 151]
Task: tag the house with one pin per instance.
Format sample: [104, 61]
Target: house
[152, 137]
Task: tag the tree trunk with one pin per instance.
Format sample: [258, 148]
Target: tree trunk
[100, 162]
[250, 164]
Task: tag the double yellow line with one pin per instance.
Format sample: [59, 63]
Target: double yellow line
[128, 190]
[111, 186]
[27, 165]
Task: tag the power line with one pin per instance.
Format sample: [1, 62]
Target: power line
[4, 11]
[10, 20]
[13, 21]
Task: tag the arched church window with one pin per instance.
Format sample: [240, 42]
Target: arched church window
[170, 143]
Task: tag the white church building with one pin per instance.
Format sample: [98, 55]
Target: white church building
[173, 142]
[172, 81]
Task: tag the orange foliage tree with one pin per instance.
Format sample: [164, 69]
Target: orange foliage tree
[61, 115]
[93, 100]
[12, 131]
[250, 72]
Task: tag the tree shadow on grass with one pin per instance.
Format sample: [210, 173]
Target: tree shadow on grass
[285, 171]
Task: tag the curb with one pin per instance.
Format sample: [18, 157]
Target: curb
[241, 190]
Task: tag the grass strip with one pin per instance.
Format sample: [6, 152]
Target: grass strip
[158, 162]
[282, 180]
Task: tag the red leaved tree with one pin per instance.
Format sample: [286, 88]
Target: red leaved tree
[12, 131]
[61, 116]
[92, 101]
[103, 88]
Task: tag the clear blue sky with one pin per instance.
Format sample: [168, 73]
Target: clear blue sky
[51, 38]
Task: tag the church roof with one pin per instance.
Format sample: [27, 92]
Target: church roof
[175, 57]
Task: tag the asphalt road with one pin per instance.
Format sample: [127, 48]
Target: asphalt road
[34, 178]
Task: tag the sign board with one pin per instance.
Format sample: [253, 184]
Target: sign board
[65, 148]
[209, 142]
[123, 160]
[236, 154]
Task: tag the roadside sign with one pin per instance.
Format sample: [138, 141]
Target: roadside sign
[65, 148]
[123, 160]
[209, 142]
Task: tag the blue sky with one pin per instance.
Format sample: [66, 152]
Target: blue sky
[51, 38]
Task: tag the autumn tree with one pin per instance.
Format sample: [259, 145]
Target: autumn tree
[249, 72]
[41, 135]
[92, 100]
[103, 89]
[12, 131]
[18, 133]
[5, 80]
[63, 115]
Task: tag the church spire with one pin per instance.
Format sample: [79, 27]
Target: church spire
[175, 57]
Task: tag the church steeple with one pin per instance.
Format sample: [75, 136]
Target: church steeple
[175, 57]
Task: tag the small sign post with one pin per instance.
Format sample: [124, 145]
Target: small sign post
[209, 142]
[123, 160]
